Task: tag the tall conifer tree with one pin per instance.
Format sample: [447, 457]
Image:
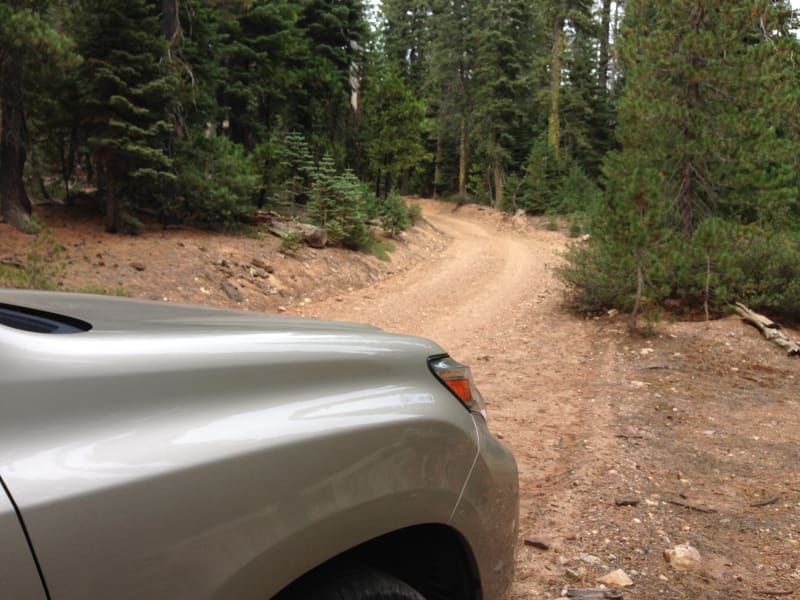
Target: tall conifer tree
[126, 97]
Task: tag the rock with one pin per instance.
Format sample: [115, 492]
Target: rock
[618, 578]
[138, 266]
[232, 291]
[682, 557]
[260, 264]
[627, 501]
[590, 559]
[537, 542]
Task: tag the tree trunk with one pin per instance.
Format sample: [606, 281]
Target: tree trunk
[462, 158]
[387, 184]
[404, 178]
[437, 165]
[688, 185]
[554, 118]
[499, 173]
[16, 206]
[605, 38]
[637, 306]
[112, 205]
[170, 21]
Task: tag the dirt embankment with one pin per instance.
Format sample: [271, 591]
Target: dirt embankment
[627, 446]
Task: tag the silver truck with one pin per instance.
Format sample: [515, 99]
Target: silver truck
[150, 450]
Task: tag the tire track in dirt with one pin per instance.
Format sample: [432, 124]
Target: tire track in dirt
[491, 299]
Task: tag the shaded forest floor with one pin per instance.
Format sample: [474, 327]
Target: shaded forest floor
[627, 446]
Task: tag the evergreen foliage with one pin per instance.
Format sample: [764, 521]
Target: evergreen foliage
[394, 128]
[672, 138]
[216, 181]
[125, 98]
[706, 176]
[29, 41]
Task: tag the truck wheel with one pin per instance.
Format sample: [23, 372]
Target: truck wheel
[352, 583]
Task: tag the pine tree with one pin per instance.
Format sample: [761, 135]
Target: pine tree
[395, 124]
[125, 99]
[708, 131]
[259, 53]
[406, 39]
[27, 36]
[696, 106]
[499, 76]
[336, 33]
[451, 83]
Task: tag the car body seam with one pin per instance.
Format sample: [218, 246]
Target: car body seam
[471, 469]
[27, 538]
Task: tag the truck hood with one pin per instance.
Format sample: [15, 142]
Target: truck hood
[126, 315]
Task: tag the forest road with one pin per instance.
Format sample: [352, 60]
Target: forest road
[491, 299]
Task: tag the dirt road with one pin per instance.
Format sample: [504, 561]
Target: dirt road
[627, 446]
[595, 416]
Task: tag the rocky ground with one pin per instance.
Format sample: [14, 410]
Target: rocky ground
[671, 456]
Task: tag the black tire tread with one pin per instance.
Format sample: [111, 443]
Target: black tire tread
[352, 583]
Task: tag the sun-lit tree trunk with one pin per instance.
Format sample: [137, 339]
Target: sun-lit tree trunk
[605, 38]
[462, 158]
[16, 206]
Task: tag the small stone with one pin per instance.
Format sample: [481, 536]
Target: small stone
[627, 501]
[138, 266]
[573, 574]
[590, 559]
[260, 264]
[537, 542]
[613, 312]
[618, 578]
[682, 557]
[282, 309]
[232, 291]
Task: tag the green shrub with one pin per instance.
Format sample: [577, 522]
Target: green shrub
[577, 192]
[394, 215]
[339, 202]
[291, 242]
[217, 180]
[722, 263]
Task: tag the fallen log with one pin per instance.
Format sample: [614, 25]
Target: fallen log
[769, 329]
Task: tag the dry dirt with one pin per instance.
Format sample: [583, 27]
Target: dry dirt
[693, 428]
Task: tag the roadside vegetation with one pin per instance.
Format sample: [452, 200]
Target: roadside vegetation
[664, 132]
